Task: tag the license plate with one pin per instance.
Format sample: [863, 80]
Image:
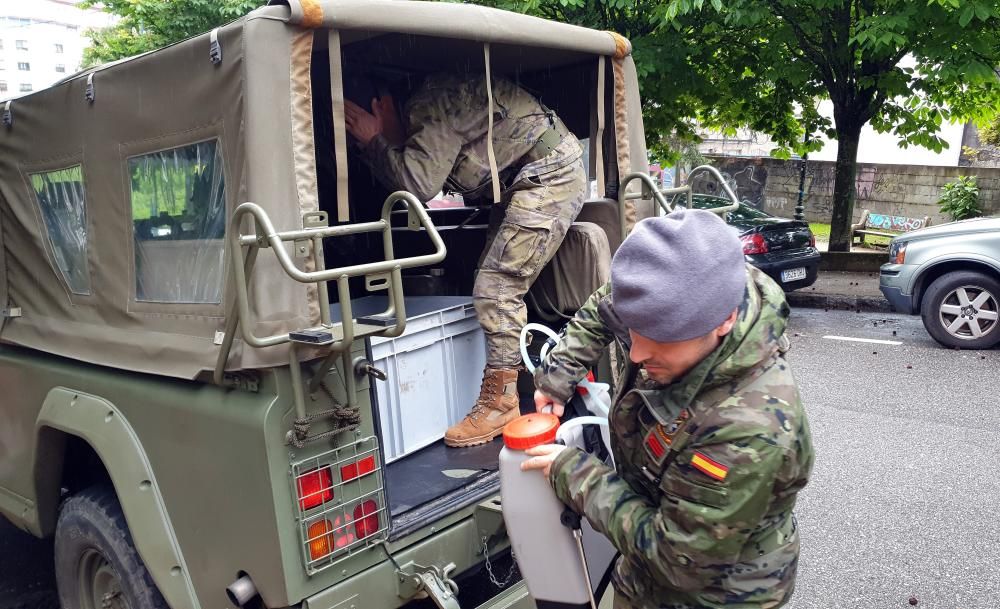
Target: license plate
[793, 274]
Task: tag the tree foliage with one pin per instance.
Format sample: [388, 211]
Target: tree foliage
[903, 66]
[145, 25]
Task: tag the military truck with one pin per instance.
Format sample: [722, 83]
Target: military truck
[196, 273]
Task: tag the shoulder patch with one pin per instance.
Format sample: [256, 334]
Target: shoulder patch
[709, 467]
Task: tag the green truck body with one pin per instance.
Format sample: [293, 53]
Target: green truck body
[153, 362]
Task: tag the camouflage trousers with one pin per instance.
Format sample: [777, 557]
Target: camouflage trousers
[525, 232]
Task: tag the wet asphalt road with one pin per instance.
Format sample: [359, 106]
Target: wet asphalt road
[905, 493]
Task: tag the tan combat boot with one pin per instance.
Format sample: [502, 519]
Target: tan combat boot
[497, 405]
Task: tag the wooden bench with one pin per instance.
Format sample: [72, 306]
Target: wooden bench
[881, 225]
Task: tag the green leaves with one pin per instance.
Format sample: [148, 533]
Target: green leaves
[145, 25]
[960, 198]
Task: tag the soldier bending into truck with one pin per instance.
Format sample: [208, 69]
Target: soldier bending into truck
[441, 144]
[709, 435]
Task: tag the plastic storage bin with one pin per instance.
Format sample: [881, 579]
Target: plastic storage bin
[434, 370]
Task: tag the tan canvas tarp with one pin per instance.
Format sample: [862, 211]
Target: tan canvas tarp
[172, 98]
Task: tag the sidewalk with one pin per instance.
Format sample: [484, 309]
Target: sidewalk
[842, 290]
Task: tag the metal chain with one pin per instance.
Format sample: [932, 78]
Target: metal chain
[489, 567]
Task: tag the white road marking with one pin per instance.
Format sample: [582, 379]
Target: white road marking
[864, 340]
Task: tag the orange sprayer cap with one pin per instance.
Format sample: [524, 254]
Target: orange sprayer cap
[530, 430]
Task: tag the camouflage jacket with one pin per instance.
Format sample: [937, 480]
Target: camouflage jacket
[708, 467]
[446, 127]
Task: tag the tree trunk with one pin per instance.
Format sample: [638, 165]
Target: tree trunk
[844, 189]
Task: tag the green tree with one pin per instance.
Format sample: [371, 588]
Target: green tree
[903, 66]
[145, 25]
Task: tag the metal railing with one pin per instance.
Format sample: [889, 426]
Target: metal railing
[383, 275]
[651, 190]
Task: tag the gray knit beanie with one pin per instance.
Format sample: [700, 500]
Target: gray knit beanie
[678, 277]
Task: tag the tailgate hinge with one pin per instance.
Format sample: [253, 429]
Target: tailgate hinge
[418, 581]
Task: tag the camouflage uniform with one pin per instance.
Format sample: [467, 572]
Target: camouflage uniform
[708, 467]
[446, 121]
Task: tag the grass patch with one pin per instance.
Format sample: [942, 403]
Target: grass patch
[822, 233]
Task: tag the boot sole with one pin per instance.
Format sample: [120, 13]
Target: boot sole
[483, 439]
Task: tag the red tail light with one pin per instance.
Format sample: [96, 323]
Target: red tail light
[357, 469]
[315, 488]
[754, 244]
[366, 519]
[812, 240]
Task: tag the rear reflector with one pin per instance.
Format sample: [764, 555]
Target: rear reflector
[358, 469]
[754, 243]
[366, 519]
[320, 539]
[326, 537]
[315, 488]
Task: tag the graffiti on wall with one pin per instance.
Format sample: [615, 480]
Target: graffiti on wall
[893, 223]
[869, 183]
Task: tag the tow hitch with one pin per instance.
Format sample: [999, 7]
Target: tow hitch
[418, 581]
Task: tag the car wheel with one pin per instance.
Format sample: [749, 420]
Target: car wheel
[960, 310]
[97, 567]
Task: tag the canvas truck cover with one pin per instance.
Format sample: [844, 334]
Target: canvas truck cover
[117, 185]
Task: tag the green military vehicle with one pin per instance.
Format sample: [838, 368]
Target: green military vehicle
[197, 274]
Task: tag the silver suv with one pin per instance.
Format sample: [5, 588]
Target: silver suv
[950, 275]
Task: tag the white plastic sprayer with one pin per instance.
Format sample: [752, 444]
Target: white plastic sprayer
[559, 555]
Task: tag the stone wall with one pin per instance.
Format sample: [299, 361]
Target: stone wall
[898, 190]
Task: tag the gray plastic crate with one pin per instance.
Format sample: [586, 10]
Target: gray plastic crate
[434, 369]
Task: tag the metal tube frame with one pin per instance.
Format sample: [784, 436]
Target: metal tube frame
[650, 189]
[659, 194]
[241, 266]
[725, 186]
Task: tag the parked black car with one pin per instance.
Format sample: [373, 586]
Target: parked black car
[784, 249]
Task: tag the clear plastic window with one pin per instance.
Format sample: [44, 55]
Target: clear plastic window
[178, 216]
[61, 197]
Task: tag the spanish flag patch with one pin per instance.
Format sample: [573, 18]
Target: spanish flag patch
[712, 469]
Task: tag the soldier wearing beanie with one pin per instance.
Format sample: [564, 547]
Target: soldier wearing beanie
[709, 435]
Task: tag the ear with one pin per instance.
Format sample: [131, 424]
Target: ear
[727, 326]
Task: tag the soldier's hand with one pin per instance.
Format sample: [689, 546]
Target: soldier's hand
[362, 126]
[544, 403]
[542, 457]
[384, 110]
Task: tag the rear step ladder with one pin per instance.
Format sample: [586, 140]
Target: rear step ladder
[335, 338]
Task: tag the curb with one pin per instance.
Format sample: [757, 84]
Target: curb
[857, 262]
[836, 302]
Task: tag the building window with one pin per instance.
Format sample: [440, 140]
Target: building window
[25, 88]
[24, 66]
[21, 45]
[60, 68]
[61, 198]
[59, 48]
[3, 86]
[178, 201]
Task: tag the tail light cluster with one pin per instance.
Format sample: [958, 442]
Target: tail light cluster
[339, 496]
[754, 243]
